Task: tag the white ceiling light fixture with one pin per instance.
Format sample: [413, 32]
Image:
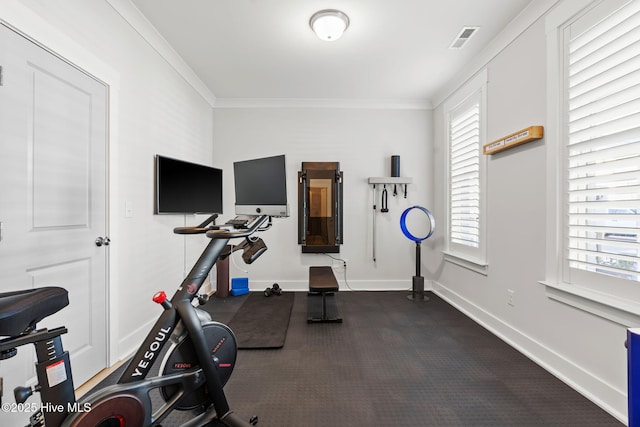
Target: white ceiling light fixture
[329, 24]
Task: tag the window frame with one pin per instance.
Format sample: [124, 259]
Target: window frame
[467, 256]
[615, 299]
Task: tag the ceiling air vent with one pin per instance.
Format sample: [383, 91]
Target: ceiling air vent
[463, 37]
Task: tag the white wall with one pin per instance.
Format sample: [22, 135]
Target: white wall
[363, 141]
[584, 350]
[153, 109]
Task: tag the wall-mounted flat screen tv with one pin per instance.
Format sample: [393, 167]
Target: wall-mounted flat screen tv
[261, 186]
[187, 188]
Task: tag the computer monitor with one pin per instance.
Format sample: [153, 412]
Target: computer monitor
[261, 186]
[187, 188]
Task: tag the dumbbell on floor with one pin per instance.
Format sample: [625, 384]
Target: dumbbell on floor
[274, 290]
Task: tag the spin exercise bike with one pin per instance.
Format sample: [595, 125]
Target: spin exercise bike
[191, 376]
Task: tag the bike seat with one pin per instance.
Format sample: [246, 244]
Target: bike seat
[21, 310]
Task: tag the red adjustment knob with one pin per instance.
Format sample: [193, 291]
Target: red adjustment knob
[160, 297]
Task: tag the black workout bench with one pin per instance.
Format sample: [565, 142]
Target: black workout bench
[322, 282]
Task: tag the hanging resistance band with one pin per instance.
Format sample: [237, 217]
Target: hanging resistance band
[384, 207]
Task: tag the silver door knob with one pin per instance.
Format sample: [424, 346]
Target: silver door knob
[102, 241]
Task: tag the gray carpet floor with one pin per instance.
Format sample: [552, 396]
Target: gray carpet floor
[393, 362]
[396, 362]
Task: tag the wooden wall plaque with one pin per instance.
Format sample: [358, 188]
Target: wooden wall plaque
[522, 136]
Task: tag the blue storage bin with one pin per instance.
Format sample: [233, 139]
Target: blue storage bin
[239, 286]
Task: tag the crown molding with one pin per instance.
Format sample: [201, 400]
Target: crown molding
[379, 104]
[150, 34]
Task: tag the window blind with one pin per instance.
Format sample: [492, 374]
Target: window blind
[603, 151]
[464, 178]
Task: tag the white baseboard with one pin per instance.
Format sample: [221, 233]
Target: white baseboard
[593, 388]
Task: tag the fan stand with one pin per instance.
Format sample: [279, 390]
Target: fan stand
[417, 292]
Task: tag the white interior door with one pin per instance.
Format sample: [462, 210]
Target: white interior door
[53, 206]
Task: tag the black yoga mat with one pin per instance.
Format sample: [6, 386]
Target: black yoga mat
[262, 322]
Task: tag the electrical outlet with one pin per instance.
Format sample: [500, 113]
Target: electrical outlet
[339, 264]
[511, 297]
[128, 209]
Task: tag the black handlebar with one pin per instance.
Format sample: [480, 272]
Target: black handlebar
[191, 230]
[198, 229]
[223, 233]
[226, 231]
